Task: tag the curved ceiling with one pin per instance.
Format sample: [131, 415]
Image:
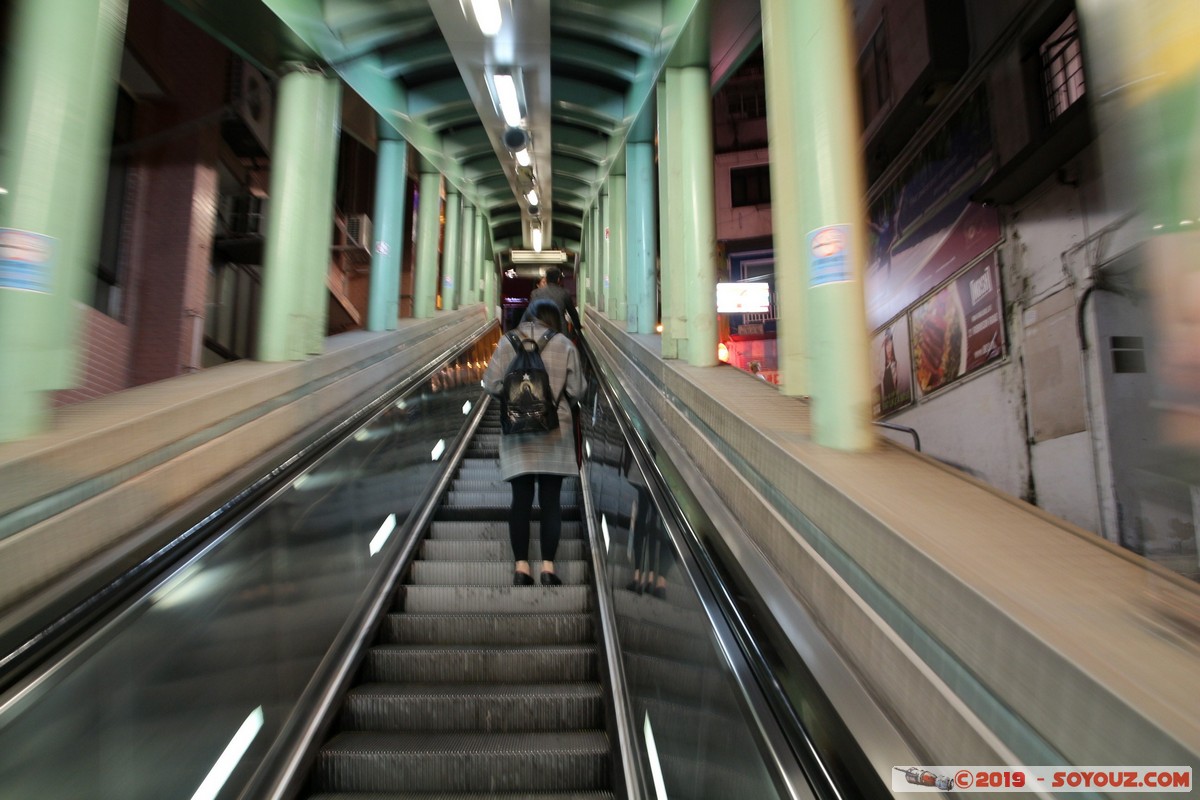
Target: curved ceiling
[586, 68]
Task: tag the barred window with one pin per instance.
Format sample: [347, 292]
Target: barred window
[750, 186]
[874, 76]
[1062, 68]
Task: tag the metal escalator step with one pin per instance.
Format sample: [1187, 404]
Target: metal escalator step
[479, 762]
[529, 629]
[494, 530]
[470, 664]
[494, 599]
[568, 550]
[501, 498]
[462, 796]
[474, 707]
[486, 573]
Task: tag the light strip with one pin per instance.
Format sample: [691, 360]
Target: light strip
[523, 157]
[230, 757]
[487, 16]
[506, 95]
[466, 408]
[660, 788]
[536, 235]
[381, 536]
[532, 197]
[438, 449]
[604, 530]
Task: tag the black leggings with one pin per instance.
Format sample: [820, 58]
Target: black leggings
[549, 487]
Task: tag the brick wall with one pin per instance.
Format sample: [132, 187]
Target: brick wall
[103, 360]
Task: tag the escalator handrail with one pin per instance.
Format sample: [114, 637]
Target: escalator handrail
[791, 748]
[282, 771]
[57, 636]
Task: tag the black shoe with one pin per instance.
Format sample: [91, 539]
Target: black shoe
[522, 579]
[660, 592]
[550, 579]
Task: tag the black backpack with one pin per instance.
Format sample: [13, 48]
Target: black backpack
[527, 403]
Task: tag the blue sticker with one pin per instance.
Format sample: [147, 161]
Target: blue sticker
[26, 260]
[828, 255]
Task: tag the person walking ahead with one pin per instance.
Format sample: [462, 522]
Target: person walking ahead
[551, 288]
[541, 459]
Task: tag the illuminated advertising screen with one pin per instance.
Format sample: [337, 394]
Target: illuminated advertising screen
[743, 298]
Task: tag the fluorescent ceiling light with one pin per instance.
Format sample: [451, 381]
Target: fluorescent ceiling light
[532, 197]
[536, 235]
[506, 96]
[487, 16]
[523, 157]
[534, 257]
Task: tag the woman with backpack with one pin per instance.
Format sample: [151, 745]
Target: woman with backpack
[539, 458]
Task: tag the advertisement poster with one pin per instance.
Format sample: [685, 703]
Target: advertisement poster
[26, 261]
[960, 328]
[924, 228]
[891, 365]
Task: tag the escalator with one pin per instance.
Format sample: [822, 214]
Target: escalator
[474, 685]
[356, 634]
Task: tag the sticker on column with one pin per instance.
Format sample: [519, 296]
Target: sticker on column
[26, 260]
[828, 255]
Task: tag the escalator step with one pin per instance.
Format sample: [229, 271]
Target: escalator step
[493, 599]
[479, 707]
[463, 796]
[501, 498]
[568, 550]
[486, 573]
[395, 663]
[483, 629]
[494, 530]
[479, 762]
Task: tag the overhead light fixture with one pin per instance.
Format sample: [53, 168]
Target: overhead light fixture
[536, 235]
[523, 157]
[532, 197]
[487, 16]
[534, 257]
[506, 96]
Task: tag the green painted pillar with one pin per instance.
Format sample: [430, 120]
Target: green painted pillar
[697, 211]
[468, 255]
[429, 229]
[585, 263]
[391, 169]
[481, 230]
[832, 216]
[451, 251]
[617, 245]
[605, 276]
[673, 299]
[60, 87]
[781, 59]
[596, 273]
[299, 226]
[641, 271]
[489, 279]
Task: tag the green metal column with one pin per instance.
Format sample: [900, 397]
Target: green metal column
[673, 297]
[451, 252]
[697, 206]
[606, 260]
[781, 59]
[63, 64]
[642, 290]
[596, 276]
[617, 256]
[299, 227]
[489, 278]
[383, 312]
[481, 230]
[833, 217]
[429, 229]
[468, 255]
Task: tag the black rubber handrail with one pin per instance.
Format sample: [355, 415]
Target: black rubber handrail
[903, 429]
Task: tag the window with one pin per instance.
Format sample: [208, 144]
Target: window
[1062, 68]
[106, 291]
[750, 186]
[874, 76]
[1128, 354]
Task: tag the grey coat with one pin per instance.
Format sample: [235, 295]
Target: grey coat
[554, 452]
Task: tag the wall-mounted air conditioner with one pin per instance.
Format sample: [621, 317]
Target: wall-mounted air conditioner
[253, 101]
[358, 230]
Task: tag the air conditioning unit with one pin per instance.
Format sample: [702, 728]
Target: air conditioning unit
[252, 101]
[358, 230]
